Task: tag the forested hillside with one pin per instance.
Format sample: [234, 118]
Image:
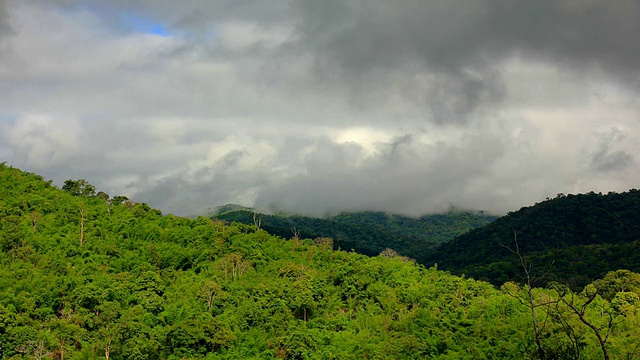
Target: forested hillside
[87, 276]
[368, 232]
[573, 239]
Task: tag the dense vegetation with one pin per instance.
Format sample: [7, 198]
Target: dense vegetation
[575, 239]
[367, 232]
[87, 276]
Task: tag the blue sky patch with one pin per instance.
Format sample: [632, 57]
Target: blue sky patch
[135, 23]
[9, 118]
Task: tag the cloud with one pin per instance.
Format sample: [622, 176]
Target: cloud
[448, 36]
[41, 142]
[319, 107]
[606, 158]
[462, 44]
[4, 18]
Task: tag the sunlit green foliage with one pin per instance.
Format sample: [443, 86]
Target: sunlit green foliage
[146, 286]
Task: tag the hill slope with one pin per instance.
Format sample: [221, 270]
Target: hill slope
[369, 232]
[85, 276]
[580, 237]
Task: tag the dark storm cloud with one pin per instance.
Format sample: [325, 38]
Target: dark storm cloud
[361, 35]
[605, 160]
[464, 41]
[580, 33]
[5, 27]
[360, 43]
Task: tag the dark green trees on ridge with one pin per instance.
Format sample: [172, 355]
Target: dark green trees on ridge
[583, 236]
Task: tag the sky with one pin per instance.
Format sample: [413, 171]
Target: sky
[317, 107]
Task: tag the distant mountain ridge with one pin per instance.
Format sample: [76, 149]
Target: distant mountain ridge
[368, 232]
[221, 209]
[575, 238]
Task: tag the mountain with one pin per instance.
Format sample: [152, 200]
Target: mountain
[368, 232]
[87, 276]
[573, 239]
[217, 210]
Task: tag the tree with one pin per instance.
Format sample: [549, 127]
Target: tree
[234, 265]
[525, 295]
[7, 322]
[618, 281]
[82, 239]
[35, 218]
[193, 337]
[105, 197]
[210, 291]
[65, 333]
[12, 234]
[118, 199]
[79, 188]
[108, 314]
[300, 297]
[257, 220]
[579, 304]
[389, 253]
[296, 236]
[324, 243]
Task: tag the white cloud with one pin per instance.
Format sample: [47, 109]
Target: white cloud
[40, 141]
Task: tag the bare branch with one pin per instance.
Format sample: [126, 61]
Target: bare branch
[580, 313]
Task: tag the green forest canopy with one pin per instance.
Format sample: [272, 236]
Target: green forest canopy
[83, 276]
[367, 232]
[574, 239]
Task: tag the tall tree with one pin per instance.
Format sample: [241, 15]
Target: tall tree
[79, 187]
